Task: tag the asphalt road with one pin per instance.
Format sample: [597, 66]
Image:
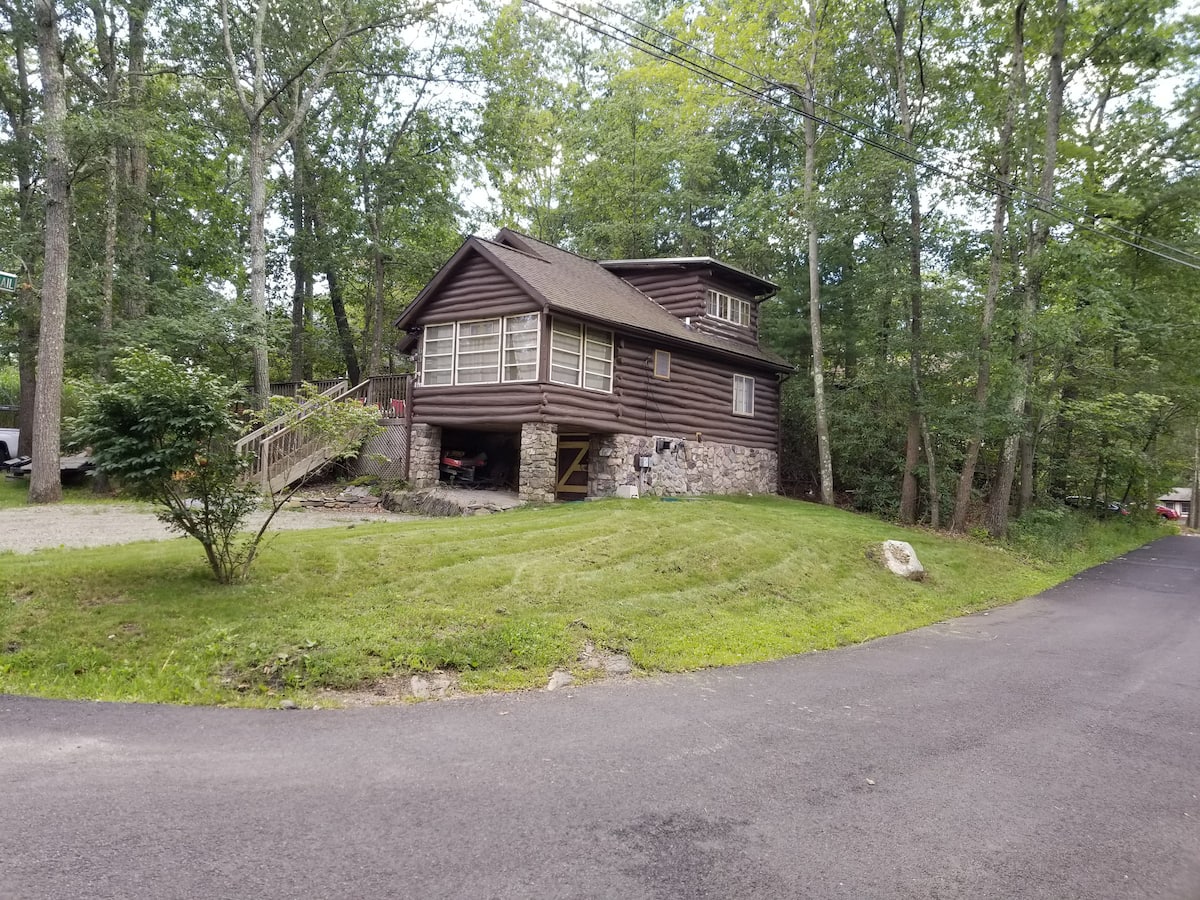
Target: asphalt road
[1050, 749]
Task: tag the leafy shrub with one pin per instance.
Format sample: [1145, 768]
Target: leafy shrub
[1047, 532]
[167, 432]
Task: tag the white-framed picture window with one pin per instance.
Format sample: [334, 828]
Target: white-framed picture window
[598, 360]
[482, 351]
[521, 344]
[743, 395]
[437, 355]
[581, 356]
[728, 308]
[477, 353]
[662, 364]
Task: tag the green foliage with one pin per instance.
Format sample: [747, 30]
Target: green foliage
[1072, 538]
[9, 386]
[166, 432]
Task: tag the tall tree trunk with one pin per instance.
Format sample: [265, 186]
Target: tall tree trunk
[824, 453]
[254, 104]
[345, 336]
[258, 263]
[309, 293]
[134, 264]
[918, 429]
[378, 261]
[110, 252]
[1028, 448]
[1016, 80]
[912, 458]
[300, 266]
[997, 516]
[110, 87]
[45, 485]
[336, 300]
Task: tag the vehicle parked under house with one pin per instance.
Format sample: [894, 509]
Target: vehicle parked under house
[565, 378]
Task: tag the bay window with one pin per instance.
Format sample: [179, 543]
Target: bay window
[482, 351]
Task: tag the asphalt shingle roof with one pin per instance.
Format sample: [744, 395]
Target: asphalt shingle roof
[576, 285]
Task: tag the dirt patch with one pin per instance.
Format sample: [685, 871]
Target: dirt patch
[24, 529]
[394, 689]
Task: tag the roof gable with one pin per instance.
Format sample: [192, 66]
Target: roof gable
[472, 248]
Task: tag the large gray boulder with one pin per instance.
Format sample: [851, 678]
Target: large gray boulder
[899, 558]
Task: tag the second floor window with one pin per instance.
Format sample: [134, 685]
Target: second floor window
[731, 309]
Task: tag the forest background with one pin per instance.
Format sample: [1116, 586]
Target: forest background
[984, 218]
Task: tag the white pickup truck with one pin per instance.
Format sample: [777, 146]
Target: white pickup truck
[9, 438]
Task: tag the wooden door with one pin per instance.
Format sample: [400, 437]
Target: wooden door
[573, 466]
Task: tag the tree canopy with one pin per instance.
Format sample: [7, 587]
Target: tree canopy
[1004, 199]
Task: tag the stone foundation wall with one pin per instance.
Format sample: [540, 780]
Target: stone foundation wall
[539, 462]
[683, 467]
[425, 449]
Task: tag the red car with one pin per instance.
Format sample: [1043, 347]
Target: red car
[1166, 512]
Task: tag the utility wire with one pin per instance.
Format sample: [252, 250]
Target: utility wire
[634, 41]
[1011, 187]
[1069, 215]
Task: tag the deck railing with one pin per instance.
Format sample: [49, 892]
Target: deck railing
[292, 388]
[250, 442]
[388, 392]
[289, 453]
[290, 447]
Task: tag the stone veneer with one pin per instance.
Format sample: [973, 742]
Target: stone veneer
[425, 449]
[539, 462]
[687, 467]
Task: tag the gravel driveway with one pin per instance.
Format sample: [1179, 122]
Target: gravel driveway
[28, 528]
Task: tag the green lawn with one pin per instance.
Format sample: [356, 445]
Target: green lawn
[15, 492]
[500, 600]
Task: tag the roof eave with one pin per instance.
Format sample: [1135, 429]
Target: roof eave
[769, 288]
[676, 340]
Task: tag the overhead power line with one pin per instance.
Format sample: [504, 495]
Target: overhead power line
[969, 175]
[1012, 187]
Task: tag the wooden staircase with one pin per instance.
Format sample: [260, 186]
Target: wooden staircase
[289, 448]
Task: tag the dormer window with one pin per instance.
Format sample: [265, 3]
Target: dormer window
[729, 309]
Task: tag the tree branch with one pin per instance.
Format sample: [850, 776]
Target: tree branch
[231, 57]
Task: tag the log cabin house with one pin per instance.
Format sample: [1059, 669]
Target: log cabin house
[568, 378]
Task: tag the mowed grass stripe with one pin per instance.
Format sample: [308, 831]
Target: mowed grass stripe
[500, 600]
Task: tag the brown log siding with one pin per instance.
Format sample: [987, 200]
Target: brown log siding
[680, 293]
[697, 398]
[685, 294]
[478, 291]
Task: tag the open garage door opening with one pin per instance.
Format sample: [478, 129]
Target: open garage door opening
[481, 459]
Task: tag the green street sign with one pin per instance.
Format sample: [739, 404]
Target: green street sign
[8, 282]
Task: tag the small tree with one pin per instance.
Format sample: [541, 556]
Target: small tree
[167, 431]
